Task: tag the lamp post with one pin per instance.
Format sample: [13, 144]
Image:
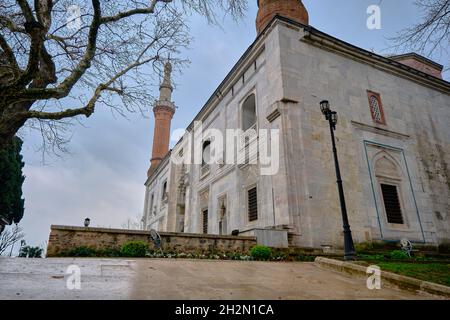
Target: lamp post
[331, 116]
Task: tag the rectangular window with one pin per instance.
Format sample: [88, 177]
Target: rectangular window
[249, 112]
[151, 204]
[392, 204]
[164, 191]
[205, 221]
[252, 204]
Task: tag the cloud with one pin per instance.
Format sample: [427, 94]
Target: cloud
[68, 194]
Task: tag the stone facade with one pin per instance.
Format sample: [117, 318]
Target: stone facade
[63, 238]
[290, 68]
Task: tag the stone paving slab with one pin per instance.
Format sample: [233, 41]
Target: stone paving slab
[183, 279]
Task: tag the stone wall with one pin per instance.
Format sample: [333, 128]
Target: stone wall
[64, 238]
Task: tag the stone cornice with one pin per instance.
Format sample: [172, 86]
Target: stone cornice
[380, 130]
[423, 59]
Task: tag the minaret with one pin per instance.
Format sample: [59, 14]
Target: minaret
[163, 110]
[291, 9]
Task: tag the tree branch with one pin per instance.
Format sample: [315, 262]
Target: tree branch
[129, 13]
[10, 56]
[87, 110]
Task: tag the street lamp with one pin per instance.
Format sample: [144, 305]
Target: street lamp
[87, 221]
[331, 116]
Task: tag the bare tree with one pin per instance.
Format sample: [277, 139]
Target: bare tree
[10, 237]
[60, 59]
[431, 35]
[133, 223]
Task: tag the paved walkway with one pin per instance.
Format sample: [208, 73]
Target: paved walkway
[182, 279]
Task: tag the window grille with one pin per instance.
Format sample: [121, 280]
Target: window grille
[252, 204]
[392, 203]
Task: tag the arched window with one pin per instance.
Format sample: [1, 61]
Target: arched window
[376, 108]
[151, 210]
[249, 112]
[206, 152]
[389, 179]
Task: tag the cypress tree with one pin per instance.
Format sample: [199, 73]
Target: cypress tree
[11, 180]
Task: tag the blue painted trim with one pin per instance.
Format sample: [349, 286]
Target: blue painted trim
[366, 142]
[414, 197]
[373, 189]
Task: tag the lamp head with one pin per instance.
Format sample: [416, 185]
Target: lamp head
[334, 117]
[324, 106]
[87, 221]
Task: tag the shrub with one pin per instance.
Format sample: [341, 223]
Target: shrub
[305, 258]
[398, 255]
[279, 256]
[444, 247]
[81, 252]
[110, 252]
[134, 249]
[261, 253]
[30, 252]
[364, 246]
[380, 257]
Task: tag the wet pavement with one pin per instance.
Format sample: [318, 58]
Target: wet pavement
[56, 278]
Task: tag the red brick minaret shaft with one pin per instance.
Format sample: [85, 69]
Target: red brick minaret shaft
[163, 111]
[292, 9]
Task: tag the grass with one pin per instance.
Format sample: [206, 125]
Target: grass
[432, 269]
[433, 272]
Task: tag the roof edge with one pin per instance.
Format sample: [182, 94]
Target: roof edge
[426, 60]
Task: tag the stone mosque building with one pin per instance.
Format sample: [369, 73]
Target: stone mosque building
[393, 141]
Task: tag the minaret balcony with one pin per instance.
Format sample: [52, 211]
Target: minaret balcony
[164, 103]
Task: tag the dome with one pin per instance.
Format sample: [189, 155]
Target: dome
[291, 9]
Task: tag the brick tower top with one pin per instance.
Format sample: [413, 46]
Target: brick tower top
[163, 111]
[292, 9]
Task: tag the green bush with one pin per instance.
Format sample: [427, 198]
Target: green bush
[398, 255]
[444, 248]
[379, 257]
[134, 249]
[31, 252]
[261, 253]
[363, 246]
[305, 258]
[110, 252]
[81, 252]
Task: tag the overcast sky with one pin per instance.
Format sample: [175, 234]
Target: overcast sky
[103, 177]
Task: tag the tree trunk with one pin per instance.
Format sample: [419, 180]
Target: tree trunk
[10, 122]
